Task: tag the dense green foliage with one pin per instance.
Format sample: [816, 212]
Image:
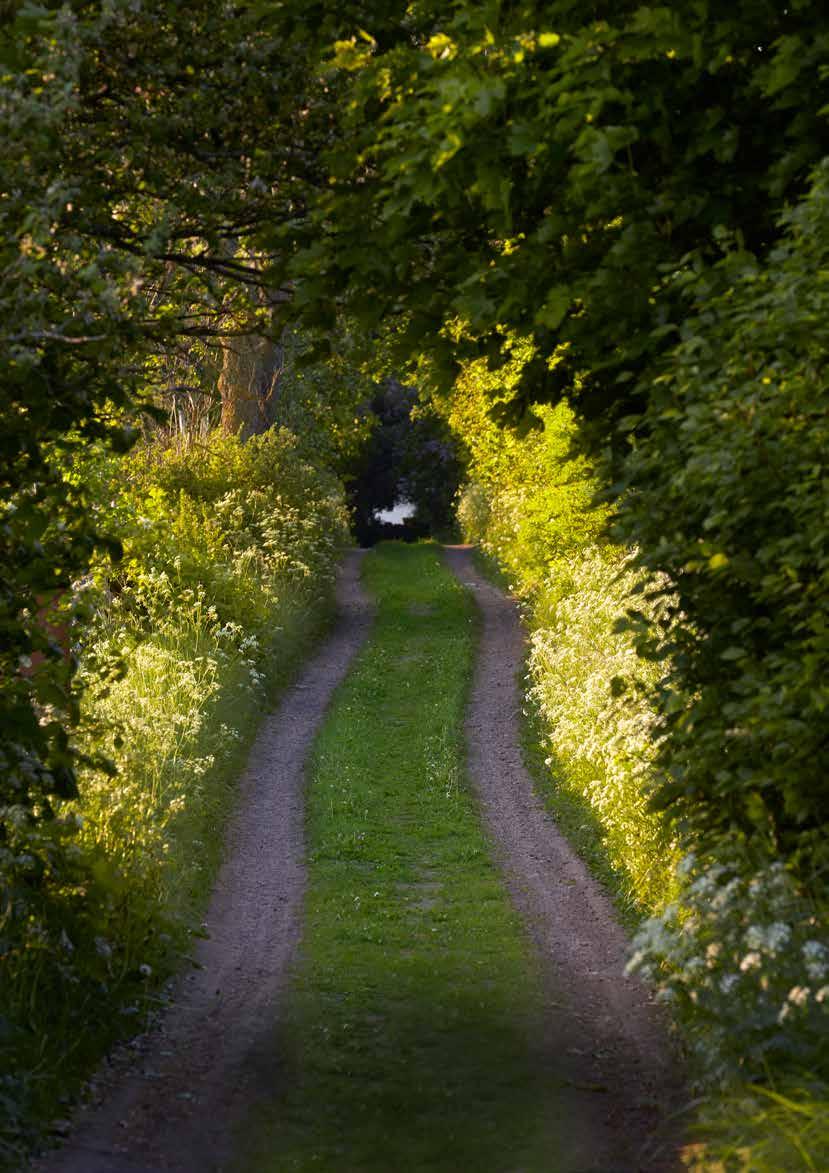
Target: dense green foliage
[728, 494]
[227, 569]
[140, 152]
[111, 237]
[144, 149]
[552, 168]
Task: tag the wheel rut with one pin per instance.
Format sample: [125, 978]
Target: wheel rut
[604, 1038]
[171, 1099]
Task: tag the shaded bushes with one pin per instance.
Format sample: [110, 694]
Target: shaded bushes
[728, 494]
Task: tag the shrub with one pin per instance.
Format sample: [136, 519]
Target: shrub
[744, 958]
[728, 497]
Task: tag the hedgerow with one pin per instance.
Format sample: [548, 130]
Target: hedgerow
[727, 493]
[229, 552]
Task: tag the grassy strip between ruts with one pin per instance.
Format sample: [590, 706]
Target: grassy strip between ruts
[408, 1023]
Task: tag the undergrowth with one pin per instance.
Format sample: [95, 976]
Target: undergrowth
[776, 1127]
[229, 553]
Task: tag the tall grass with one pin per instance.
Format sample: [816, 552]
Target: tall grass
[779, 1127]
[590, 689]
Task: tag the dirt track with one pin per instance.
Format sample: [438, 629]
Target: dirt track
[174, 1106]
[602, 1035]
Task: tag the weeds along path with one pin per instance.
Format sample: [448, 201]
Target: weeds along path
[601, 1031]
[173, 1106]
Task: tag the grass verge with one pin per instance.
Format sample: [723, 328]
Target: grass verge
[409, 1021]
[779, 1128]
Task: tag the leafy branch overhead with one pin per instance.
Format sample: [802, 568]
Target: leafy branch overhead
[591, 240]
[563, 175]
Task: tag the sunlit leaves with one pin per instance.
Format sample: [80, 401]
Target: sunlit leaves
[142, 152]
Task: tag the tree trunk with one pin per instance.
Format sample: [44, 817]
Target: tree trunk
[248, 383]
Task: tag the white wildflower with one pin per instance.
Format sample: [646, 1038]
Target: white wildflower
[686, 865]
[768, 939]
[816, 956]
[778, 935]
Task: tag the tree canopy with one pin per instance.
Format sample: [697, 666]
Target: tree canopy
[614, 214]
[561, 171]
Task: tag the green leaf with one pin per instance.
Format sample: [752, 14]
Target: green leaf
[554, 310]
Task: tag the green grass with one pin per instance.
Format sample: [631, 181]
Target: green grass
[407, 1042]
[779, 1128]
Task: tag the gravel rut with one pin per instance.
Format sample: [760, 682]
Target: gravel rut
[619, 1078]
[172, 1100]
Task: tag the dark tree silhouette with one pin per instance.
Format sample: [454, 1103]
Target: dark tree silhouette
[410, 456]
